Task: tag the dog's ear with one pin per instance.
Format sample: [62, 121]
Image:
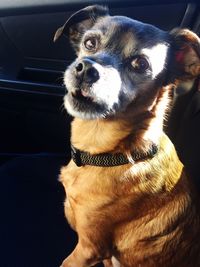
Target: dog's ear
[186, 56]
[79, 22]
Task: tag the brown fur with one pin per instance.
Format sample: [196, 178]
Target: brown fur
[143, 214]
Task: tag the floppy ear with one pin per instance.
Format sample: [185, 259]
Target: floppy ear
[79, 22]
[186, 55]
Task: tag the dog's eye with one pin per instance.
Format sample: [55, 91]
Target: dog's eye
[90, 44]
[140, 64]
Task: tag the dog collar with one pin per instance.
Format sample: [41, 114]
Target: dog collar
[82, 158]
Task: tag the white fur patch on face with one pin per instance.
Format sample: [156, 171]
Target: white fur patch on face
[107, 88]
[157, 56]
[86, 115]
[105, 91]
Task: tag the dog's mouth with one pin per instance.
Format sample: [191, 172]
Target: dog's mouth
[81, 103]
[82, 96]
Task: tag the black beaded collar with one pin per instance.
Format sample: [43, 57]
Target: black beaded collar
[82, 158]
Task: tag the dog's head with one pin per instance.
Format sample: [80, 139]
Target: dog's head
[121, 62]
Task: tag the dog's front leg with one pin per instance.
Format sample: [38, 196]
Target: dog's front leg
[84, 255]
[80, 257]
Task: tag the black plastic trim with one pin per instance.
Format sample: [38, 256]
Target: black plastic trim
[189, 15]
[19, 7]
[30, 87]
[43, 76]
[196, 27]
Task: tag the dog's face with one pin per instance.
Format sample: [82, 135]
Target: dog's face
[119, 62]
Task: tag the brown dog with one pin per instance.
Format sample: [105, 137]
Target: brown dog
[128, 197]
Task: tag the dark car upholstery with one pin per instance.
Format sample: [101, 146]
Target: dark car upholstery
[35, 131]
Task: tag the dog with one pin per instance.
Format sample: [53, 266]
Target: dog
[128, 196]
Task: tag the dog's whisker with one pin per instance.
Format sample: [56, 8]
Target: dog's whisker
[62, 108]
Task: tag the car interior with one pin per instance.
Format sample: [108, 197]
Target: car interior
[35, 128]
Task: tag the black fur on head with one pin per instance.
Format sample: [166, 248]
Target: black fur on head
[79, 22]
[122, 62]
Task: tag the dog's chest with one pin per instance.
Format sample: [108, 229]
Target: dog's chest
[93, 191]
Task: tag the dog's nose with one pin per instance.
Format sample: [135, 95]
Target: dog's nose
[86, 71]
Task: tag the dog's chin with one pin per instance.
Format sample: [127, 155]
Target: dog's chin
[85, 107]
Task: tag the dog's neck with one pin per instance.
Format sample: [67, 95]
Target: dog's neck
[122, 133]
